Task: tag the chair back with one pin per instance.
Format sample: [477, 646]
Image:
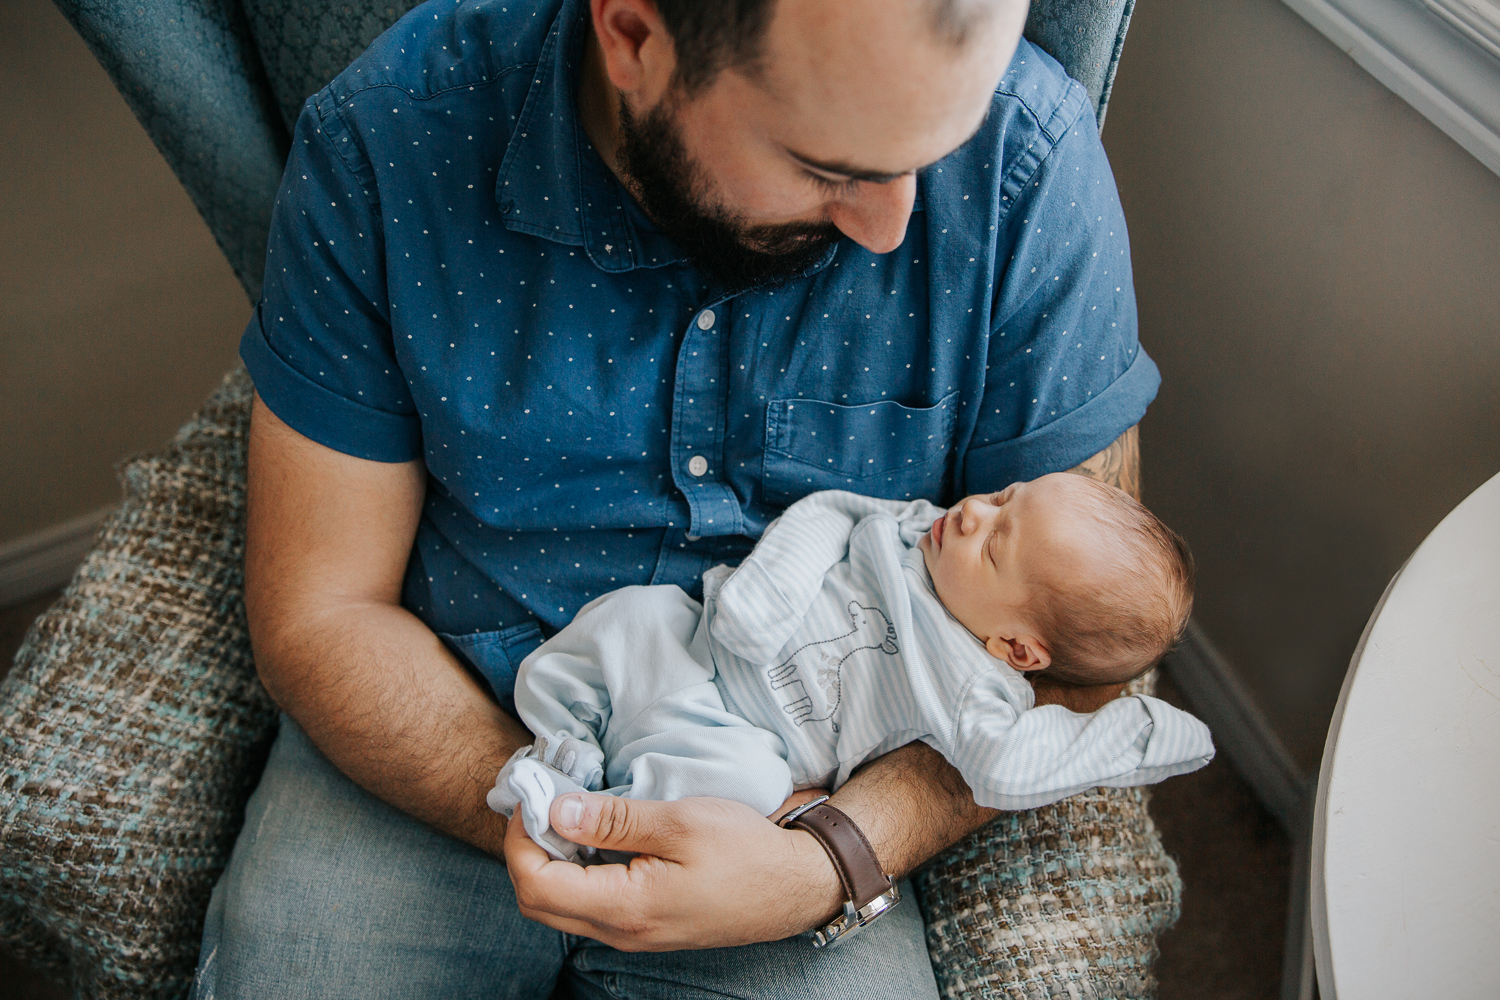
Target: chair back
[219, 83]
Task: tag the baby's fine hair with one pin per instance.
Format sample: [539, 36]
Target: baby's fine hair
[1113, 629]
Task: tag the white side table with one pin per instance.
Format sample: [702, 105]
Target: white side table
[1406, 829]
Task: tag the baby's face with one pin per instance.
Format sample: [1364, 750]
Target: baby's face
[986, 554]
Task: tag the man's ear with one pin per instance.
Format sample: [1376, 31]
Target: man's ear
[639, 57]
[1024, 651]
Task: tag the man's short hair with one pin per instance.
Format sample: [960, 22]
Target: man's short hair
[712, 35]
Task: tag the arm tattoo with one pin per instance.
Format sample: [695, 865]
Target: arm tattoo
[1118, 465]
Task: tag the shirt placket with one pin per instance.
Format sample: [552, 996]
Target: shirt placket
[697, 452]
[698, 426]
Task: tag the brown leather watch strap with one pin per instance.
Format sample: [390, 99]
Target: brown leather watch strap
[846, 845]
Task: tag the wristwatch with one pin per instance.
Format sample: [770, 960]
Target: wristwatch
[868, 891]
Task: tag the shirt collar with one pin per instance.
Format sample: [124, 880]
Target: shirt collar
[552, 183]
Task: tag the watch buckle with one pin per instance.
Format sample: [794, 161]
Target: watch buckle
[787, 820]
[851, 920]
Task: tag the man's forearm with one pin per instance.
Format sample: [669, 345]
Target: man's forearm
[327, 541]
[911, 804]
[391, 707]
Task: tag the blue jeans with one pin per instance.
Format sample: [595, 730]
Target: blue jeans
[332, 893]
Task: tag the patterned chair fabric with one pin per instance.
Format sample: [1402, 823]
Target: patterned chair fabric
[132, 726]
[190, 71]
[1062, 901]
[1086, 36]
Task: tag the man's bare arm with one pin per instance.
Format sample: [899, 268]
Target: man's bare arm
[328, 537]
[1119, 465]
[887, 796]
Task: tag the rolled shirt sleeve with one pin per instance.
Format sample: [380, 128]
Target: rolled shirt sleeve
[319, 346]
[1065, 372]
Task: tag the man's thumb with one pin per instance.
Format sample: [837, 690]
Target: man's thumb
[615, 824]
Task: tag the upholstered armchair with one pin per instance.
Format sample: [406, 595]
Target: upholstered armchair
[132, 726]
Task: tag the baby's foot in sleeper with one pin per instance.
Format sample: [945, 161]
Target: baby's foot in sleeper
[528, 786]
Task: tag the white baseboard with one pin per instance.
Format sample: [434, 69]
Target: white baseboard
[45, 560]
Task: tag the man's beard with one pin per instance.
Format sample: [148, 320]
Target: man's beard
[721, 245]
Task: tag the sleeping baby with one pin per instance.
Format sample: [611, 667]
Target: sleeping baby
[856, 626]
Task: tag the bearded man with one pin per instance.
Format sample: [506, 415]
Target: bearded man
[565, 296]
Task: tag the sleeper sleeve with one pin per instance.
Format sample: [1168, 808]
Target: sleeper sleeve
[319, 344]
[1021, 759]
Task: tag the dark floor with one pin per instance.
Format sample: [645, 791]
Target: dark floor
[1235, 863]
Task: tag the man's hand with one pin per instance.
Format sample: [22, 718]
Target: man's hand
[710, 873]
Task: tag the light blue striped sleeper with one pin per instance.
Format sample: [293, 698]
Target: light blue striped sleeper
[825, 648]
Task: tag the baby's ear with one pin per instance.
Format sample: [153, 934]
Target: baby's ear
[1023, 652]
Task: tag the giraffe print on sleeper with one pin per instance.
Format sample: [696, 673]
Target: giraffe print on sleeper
[871, 629]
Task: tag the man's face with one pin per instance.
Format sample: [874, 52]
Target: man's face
[758, 172]
[674, 191]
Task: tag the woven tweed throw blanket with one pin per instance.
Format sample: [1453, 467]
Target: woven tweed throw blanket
[132, 730]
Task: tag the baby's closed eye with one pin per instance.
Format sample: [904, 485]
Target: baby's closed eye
[989, 545]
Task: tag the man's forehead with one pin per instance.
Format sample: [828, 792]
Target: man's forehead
[874, 88]
[872, 38]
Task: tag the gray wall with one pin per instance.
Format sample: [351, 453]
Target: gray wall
[1318, 269]
[118, 314]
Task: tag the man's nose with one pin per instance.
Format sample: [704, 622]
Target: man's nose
[877, 215]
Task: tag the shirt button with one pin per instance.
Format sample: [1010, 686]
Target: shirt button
[692, 538]
[697, 465]
[705, 322]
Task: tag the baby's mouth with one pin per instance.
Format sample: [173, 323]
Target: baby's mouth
[937, 531]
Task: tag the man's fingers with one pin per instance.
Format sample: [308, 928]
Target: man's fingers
[540, 881]
[616, 824]
[603, 902]
[694, 857]
[534, 872]
[579, 928]
[522, 855]
[621, 905]
[570, 897]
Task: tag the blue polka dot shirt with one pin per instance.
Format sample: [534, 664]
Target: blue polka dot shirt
[454, 275]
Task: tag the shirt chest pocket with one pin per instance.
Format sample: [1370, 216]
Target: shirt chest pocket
[879, 449]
